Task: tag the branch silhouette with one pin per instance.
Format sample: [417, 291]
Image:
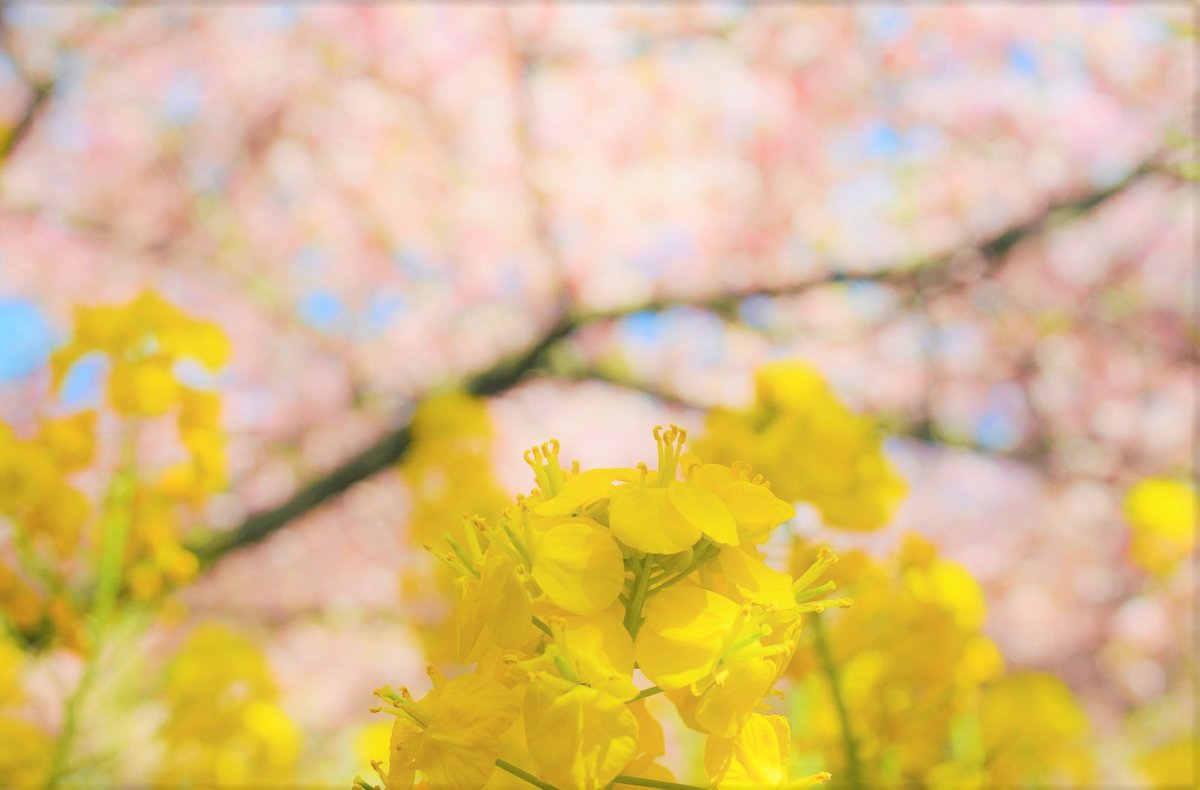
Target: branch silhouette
[932, 273]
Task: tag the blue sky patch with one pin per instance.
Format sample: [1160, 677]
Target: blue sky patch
[26, 339]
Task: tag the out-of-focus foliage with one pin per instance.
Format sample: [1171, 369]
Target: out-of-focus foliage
[224, 725]
[811, 447]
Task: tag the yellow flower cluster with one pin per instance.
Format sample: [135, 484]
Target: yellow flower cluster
[1162, 520]
[224, 724]
[811, 447]
[47, 516]
[904, 689]
[56, 530]
[595, 574]
[1173, 764]
[25, 749]
[448, 472]
[144, 341]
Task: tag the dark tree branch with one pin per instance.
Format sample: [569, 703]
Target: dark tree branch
[42, 91]
[392, 448]
[384, 452]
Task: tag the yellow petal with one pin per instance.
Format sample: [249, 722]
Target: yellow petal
[579, 739]
[714, 477]
[758, 757]
[578, 566]
[460, 744]
[683, 632]
[146, 388]
[581, 490]
[704, 510]
[504, 602]
[71, 440]
[755, 507]
[601, 650]
[725, 706]
[754, 579]
[642, 519]
[650, 733]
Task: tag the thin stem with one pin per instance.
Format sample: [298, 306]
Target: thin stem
[541, 626]
[650, 692]
[637, 781]
[522, 774]
[633, 616]
[849, 743]
[703, 555]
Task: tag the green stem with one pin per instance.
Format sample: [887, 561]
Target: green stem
[637, 781]
[522, 774]
[703, 555]
[633, 616]
[115, 535]
[849, 743]
[650, 692]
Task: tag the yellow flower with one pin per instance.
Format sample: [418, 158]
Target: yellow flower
[1172, 764]
[595, 650]
[662, 515]
[224, 725]
[1162, 518]
[811, 447]
[720, 657]
[452, 734]
[448, 472]
[493, 608]
[1034, 731]
[144, 338]
[593, 575]
[26, 753]
[578, 566]
[71, 441]
[579, 736]
[910, 659]
[756, 757]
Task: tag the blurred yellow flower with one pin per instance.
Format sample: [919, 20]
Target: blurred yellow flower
[1033, 731]
[224, 724]
[1162, 521]
[810, 446]
[1172, 764]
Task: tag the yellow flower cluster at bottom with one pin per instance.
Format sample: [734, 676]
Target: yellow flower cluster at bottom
[593, 574]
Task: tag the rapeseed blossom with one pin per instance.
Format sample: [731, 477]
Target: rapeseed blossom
[593, 580]
[1162, 520]
[63, 538]
[25, 748]
[904, 688]
[224, 724]
[812, 448]
[448, 472]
